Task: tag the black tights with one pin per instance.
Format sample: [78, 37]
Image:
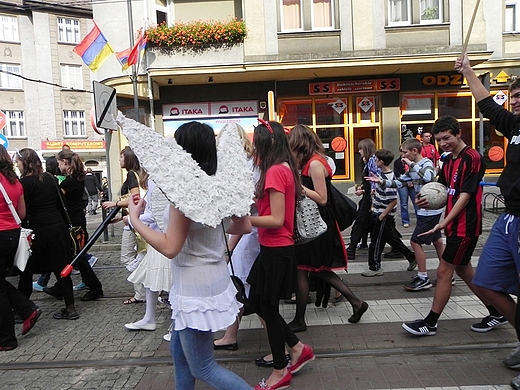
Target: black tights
[328, 277]
[278, 332]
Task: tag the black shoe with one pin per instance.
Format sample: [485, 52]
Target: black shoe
[226, 347]
[261, 362]
[357, 314]
[52, 291]
[64, 314]
[393, 254]
[297, 327]
[351, 255]
[92, 296]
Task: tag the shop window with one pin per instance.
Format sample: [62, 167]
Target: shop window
[295, 112]
[9, 28]
[366, 109]
[412, 12]
[340, 157]
[74, 124]
[8, 78]
[15, 127]
[68, 30]
[417, 107]
[455, 105]
[331, 112]
[512, 16]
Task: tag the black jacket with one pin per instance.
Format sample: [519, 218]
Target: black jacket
[92, 184]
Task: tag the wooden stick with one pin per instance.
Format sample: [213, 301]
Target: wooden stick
[466, 41]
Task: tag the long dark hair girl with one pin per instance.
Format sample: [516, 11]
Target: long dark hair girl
[76, 168]
[31, 163]
[271, 148]
[304, 143]
[6, 166]
[131, 163]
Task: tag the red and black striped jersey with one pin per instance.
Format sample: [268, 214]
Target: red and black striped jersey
[463, 174]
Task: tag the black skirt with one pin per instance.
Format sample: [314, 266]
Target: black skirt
[274, 273]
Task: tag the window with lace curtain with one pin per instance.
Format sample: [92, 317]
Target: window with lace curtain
[295, 12]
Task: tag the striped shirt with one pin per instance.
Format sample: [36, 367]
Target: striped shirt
[463, 174]
[383, 196]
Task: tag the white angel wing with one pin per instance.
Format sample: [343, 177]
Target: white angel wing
[201, 198]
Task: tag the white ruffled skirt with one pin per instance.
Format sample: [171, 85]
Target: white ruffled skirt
[154, 271]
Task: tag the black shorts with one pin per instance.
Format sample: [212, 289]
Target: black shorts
[425, 223]
[458, 250]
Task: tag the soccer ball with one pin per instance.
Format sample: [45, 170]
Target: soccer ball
[435, 193]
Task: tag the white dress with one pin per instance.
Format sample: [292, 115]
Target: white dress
[202, 296]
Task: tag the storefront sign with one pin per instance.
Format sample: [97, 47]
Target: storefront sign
[443, 79]
[211, 109]
[74, 145]
[354, 86]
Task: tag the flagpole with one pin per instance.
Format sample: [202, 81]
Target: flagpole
[134, 66]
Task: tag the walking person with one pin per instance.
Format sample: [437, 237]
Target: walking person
[11, 299]
[93, 189]
[273, 276]
[407, 191]
[461, 173]
[384, 203]
[203, 295]
[73, 188]
[326, 253]
[497, 274]
[51, 246]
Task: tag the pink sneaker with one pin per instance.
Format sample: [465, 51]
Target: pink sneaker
[306, 357]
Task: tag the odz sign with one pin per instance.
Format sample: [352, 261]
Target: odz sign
[442, 79]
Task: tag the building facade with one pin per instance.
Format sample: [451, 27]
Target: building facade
[349, 69]
[46, 89]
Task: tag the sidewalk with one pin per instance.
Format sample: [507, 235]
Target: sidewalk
[97, 352]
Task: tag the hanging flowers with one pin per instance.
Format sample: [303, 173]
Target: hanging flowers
[197, 34]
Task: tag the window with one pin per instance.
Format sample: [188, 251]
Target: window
[431, 11]
[74, 123]
[512, 15]
[68, 30]
[71, 76]
[399, 12]
[322, 14]
[161, 11]
[9, 28]
[291, 15]
[9, 81]
[15, 126]
[410, 12]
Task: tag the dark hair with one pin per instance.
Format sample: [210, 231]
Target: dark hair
[446, 123]
[367, 146]
[198, 139]
[385, 155]
[51, 166]
[515, 84]
[412, 143]
[304, 143]
[6, 165]
[76, 168]
[31, 163]
[428, 131]
[131, 160]
[271, 149]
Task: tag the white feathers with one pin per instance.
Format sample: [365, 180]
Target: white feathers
[201, 198]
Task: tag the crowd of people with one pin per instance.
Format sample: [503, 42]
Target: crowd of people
[167, 246]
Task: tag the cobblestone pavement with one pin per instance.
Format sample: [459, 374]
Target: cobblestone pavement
[96, 351]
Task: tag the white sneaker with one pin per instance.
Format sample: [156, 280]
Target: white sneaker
[370, 273]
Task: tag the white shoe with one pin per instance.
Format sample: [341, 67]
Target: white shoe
[370, 273]
[135, 326]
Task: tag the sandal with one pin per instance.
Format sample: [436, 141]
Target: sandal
[133, 300]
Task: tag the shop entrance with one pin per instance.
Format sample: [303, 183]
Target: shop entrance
[358, 134]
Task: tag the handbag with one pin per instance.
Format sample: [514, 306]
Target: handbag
[76, 233]
[344, 207]
[23, 252]
[308, 223]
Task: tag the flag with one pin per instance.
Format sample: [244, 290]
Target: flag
[122, 57]
[93, 49]
[137, 50]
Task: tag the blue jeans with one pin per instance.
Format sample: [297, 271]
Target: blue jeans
[405, 193]
[192, 353]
